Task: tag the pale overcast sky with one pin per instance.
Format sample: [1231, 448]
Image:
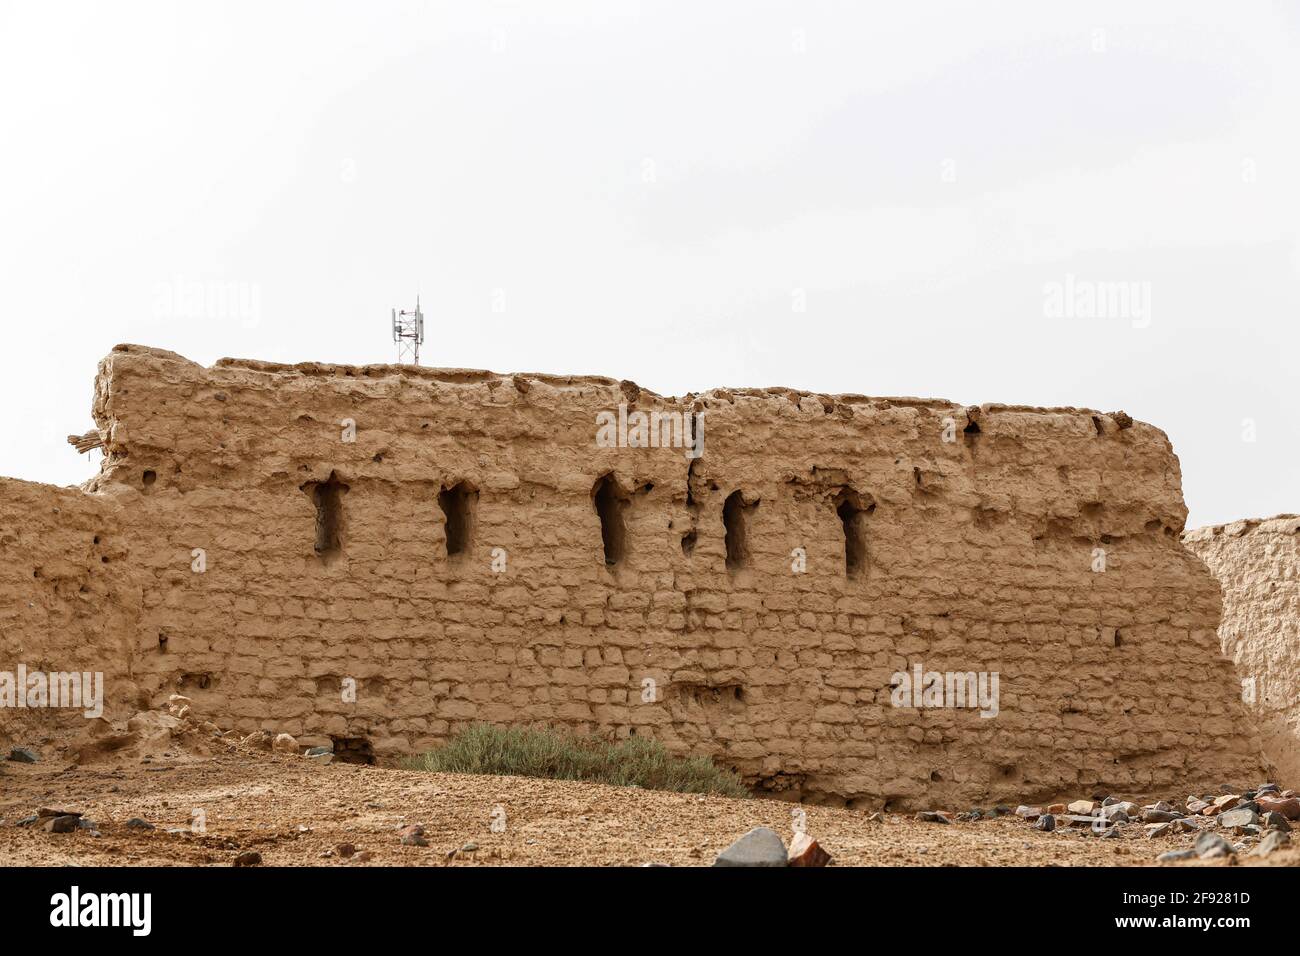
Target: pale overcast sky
[889, 200]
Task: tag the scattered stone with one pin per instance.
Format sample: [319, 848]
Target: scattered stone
[1046, 823]
[50, 812]
[1056, 809]
[1173, 856]
[345, 850]
[324, 758]
[805, 851]
[1196, 806]
[1267, 788]
[1082, 806]
[1184, 825]
[1111, 834]
[933, 816]
[362, 856]
[1210, 846]
[1029, 813]
[258, 740]
[247, 858]
[1159, 829]
[1160, 806]
[1160, 816]
[23, 755]
[1225, 802]
[63, 824]
[1238, 817]
[285, 744]
[135, 823]
[759, 847]
[1289, 807]
[412, 835]
[318, 751]
[26, 821]
[1273, 840]
[473, 847]
[1275, 821]
[1001, 811]
[1110, 801]
[1115, 813]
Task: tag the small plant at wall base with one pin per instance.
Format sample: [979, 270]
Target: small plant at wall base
[559, 755]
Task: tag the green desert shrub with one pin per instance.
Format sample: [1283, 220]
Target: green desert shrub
[560, 755]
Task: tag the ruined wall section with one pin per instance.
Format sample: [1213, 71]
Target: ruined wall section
[69, 600]
[1257, 563]
[979, 556]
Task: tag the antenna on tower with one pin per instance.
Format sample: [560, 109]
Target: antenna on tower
[408, 333]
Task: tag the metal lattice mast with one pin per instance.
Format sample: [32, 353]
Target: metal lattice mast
[408, 333]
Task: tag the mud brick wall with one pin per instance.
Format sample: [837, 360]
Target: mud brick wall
[1257, 563]
[974, 543]
[65, 604]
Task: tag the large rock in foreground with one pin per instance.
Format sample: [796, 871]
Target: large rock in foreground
[759, 847]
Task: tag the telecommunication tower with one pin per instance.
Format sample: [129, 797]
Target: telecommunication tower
[408, 333]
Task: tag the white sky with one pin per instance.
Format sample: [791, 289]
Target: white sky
[649, 190]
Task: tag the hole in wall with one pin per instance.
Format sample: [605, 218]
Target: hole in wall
[688, 543]
[710, 695]
[853, 511]
[458, 504]
[353, 750]
[610, 502]
[162, 643]
[148, 478]
[327, 496]
[735, 519]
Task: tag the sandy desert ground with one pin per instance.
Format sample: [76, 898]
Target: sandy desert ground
[296, 813]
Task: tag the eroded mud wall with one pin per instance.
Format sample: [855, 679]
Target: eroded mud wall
[69, 599]
[752, 605]
[1257, 562]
